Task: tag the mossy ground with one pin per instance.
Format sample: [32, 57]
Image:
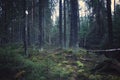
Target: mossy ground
[55, 64]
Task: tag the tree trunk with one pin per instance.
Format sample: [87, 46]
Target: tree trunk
[74, 24]
[110, 25]
[33, 22]
[25, 29]
[65, 23]
[114, 6]
[60, 23]
[40, 22]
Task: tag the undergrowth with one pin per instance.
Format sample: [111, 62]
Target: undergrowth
[44, 65]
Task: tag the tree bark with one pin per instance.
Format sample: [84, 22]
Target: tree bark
[65, 23]
[40, 22]
[60, 23]
[110, 25]
[25, 29]
[74, 24]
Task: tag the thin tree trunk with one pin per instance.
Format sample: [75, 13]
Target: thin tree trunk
[25, 29]
[33, 21]
[40, 23]
[28, 32]
[60, 23]
[114, 6]
[110, 25]
[65, 23]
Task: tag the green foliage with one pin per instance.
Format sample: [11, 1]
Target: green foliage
[35, 67]
[9, 59]
[59, 71]
[35, 71]
[68, 51]
[44, 66]
[79, 64]
[84, 27]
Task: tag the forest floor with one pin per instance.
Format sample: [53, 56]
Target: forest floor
[53, 64]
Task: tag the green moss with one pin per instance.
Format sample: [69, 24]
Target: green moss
[46, 66]
[68, 51]
[79, 64]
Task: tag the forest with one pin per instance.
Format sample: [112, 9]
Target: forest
[59, 40]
